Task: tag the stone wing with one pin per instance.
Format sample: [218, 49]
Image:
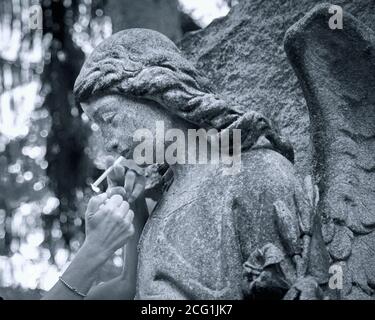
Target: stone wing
[336, 70]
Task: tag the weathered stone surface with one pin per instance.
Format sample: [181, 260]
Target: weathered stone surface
[195, 242]
[337, 73]
[318, 257]
[259, 76]
[264, 273]
[361, 264]
[243, 55]
[328, 231]
[287, 224]
[341, 245]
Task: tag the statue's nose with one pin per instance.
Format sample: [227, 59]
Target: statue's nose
[112, 147]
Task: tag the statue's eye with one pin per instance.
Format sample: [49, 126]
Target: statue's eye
[107, 117]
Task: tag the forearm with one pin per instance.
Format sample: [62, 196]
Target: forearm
[80, 274]
[129, 274]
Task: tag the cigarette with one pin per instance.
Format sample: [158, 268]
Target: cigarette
[95, 185]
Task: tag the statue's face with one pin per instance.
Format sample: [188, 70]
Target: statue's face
[119, 117]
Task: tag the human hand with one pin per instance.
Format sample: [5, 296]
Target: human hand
[109, 223]
[131, 186]
[125, 182]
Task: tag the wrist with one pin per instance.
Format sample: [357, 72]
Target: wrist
[95, 252]
[82, 271]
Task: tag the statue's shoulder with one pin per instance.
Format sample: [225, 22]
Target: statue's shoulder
[262, 169]
[264, 160]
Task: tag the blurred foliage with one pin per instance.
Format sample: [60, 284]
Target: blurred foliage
[45, 160]
[49, 151]
[68, 162]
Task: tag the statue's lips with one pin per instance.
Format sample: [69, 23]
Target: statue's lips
[126, 154]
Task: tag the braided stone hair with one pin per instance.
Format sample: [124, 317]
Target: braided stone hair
[142, 63]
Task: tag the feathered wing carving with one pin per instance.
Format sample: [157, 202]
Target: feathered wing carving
[336, 69]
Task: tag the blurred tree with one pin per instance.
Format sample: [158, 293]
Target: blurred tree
[20, 68]
[47, 151]
[69, 165]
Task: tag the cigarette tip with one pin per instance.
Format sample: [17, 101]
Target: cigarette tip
[95, 188]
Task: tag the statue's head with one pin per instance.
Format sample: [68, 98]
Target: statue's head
[138, 76]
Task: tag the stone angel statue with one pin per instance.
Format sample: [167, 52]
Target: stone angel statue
[263, 232]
